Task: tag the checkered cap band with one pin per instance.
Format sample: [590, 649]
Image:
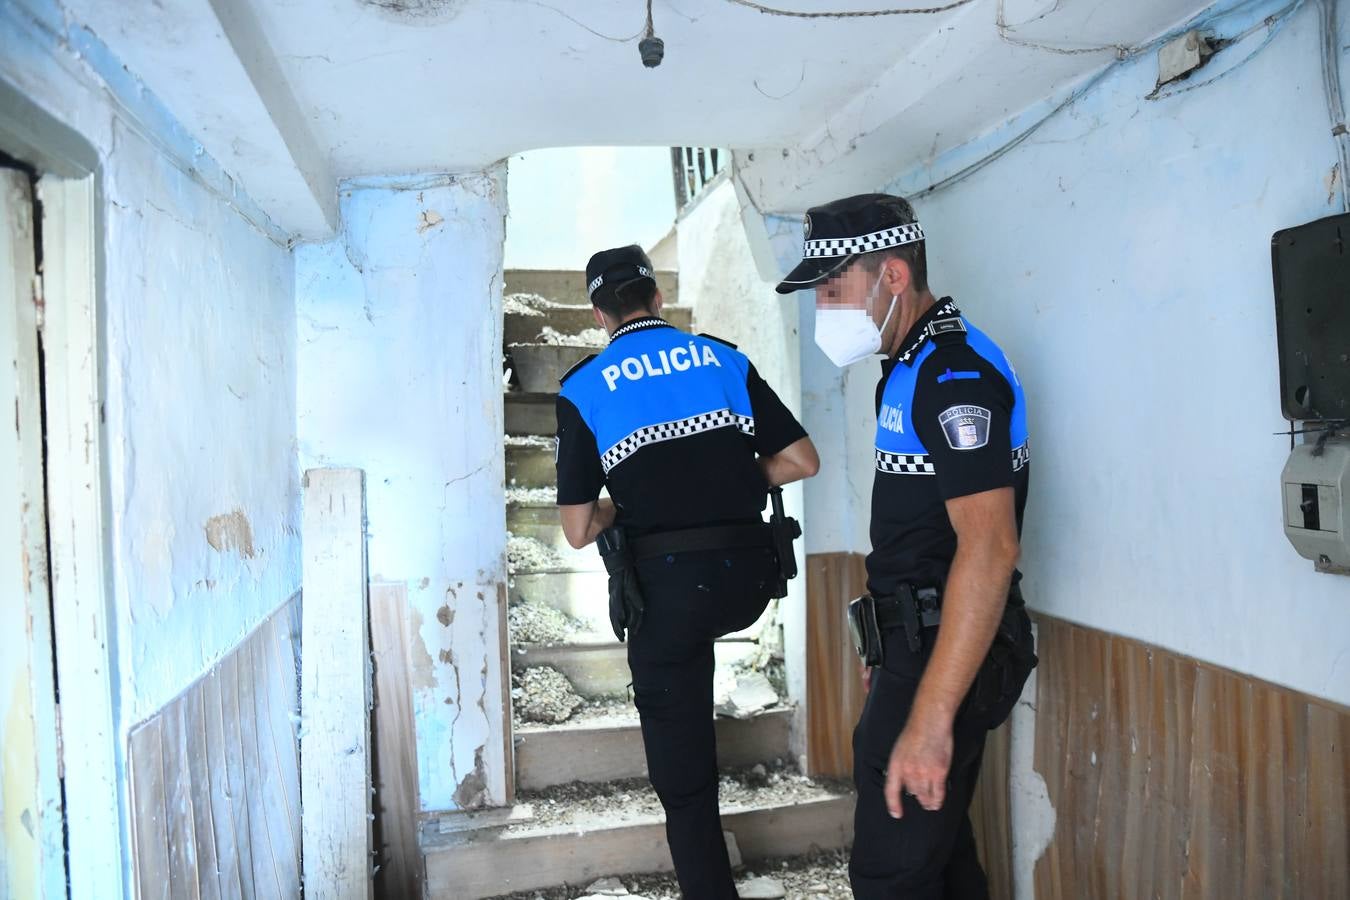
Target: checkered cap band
[669, 431]
[590, 288]
[921, 464]
[877, 240]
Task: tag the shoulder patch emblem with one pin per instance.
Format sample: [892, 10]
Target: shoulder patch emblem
[576, 368]
[965, 427]
[713, 337]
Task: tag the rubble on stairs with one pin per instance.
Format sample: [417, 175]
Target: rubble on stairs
[543, 694]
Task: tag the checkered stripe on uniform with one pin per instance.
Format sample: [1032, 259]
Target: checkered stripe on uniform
[904, 464]
[919, 463]
[669, 431]
[877, 240]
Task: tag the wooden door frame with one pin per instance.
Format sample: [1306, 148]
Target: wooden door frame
[70, 191]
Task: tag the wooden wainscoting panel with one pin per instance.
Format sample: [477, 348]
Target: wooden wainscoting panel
[834, 690]
[215, 781]
[991, 815]
[394, 760]
[1178, 780]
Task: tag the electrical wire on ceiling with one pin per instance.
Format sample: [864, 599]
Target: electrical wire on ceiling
[1274, 23]
[1005, 34]
[852, 14]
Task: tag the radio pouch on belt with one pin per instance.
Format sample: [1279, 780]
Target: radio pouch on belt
[625, 595]
[866, 632]
[784, 531]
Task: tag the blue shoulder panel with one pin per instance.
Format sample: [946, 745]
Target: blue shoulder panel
[904, 452]
[660, 384]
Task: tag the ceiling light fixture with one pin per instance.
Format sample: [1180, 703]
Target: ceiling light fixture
[652, 48]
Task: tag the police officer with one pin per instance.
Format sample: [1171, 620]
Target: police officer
[688, 439]
[943, 630]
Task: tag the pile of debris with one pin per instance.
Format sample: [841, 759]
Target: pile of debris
[538, 623]
[543, 694]
[525, 554]
[525, 304]
[593, 338]
[531, 496]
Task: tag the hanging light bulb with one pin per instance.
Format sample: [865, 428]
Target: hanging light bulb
[651, 47]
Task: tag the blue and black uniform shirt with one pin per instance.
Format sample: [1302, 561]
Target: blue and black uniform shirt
[672, 424]
[951, 421]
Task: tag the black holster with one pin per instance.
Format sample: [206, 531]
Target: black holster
[783, 531]
[1006, 668]
[626, 605]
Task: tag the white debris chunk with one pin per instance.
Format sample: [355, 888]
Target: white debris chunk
[608, 887]
[762, 888]
[753, 694]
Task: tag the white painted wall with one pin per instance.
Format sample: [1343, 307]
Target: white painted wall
[1121, 257]
[199, 378]
[720, 281]
[400, 374]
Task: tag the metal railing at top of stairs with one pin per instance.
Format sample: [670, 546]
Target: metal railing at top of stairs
[693, 169]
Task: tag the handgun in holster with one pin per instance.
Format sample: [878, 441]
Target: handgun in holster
[626, 605]
[784, 531]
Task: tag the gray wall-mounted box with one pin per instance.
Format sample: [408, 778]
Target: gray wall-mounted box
[1316, 486]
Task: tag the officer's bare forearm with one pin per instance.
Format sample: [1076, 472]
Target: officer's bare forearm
[583, 522]
[794, 462]
[972, 603]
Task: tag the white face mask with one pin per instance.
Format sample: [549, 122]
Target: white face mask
[848, 335]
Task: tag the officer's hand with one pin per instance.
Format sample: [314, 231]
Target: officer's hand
[866, 677]
[919, 765]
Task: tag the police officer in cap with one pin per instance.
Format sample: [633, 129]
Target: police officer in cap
[943, 633]
[689, 440]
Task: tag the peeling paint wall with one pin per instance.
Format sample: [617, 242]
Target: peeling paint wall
[400, 374]
[199, 377]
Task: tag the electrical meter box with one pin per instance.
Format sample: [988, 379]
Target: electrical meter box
[1316, 486]
[1311, 268]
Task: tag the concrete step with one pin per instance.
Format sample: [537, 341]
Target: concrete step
[600, 750]
[530, 465]
[568, 286]
[539, 368]
[528, 414]
[579, 594]
[519, 328]
[541, 522]
[630, 839]
[600, 668]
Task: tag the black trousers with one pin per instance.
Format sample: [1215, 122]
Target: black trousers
[691, 598]
[922, 855]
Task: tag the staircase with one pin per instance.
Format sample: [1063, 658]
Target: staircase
[584, 809]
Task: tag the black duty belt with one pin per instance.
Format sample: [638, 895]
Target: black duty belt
[692, 540]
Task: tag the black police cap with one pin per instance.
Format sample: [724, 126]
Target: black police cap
[838, 232]
[610, 270]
